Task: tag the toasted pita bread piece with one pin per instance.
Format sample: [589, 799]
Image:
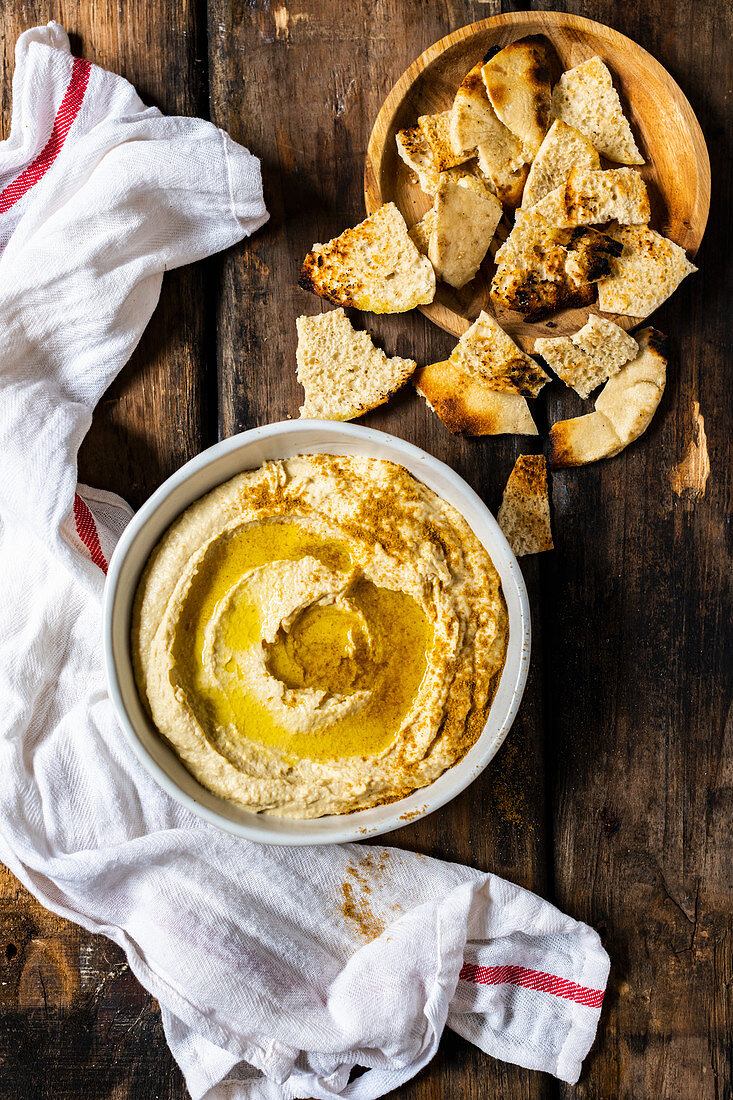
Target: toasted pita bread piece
[466, 217]
[466, 403]
[585, 98]
[522, 290]
[563, 149]
[517, 79]
[648, 270]
[581, 440]
[623, 411]
[475, 130]
[591, 255]
[342, 372]
[413, 148]
[508, 183]
[591, 355]
[592, 198]
[486, 351]
[373, 267]
[541, 269]
[436, 131]
[524, 516]
[420, 231]
[629, 399]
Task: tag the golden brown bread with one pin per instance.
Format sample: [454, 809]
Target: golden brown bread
[486, 351]
[374, 267]
[524, 515]
[585, 98]
[623, 409]
[475, 130]
[466, 404]
[592, 197]
[590, 356]
[517, 79]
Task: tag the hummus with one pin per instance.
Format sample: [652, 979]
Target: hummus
[318, 636]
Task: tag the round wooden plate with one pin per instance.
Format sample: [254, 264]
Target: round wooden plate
[677, 172]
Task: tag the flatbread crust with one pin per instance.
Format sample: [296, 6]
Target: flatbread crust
[541, 268]
[585, 98]
[594, 197]
[475, 130]
[485, 351]
[563, 149]
[421, 230]
[413, 148]
[582, 440]
[373, 267]
[590, 356]
[343, 374]
[468, 405]
[436, 131]
[623, 409]
[517, 79]
[466, 217]
[524, 515]
[648, 270]
[629, 399]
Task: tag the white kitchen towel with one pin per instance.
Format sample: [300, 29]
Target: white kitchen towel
[277, 969]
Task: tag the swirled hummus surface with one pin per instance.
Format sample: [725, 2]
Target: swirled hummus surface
[318, 636]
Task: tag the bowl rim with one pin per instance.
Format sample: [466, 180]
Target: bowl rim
[360, 824]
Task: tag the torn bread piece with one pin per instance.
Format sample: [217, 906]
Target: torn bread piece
[648, 270]
[413, 148]
[593, 197]
[591, 355]
[475, 130]
[485, 351]
[374, 267]
[517, 79]
[623, 410]
[534, 240]
[581, 440]
[507, 182]
[585, 98]
[629, 399]
[343, 374]
[541, 269]
[524, 516]
[563, 149]
[466, 217]
[436, 131]
[525, 291]
[420, 231]
[590, 255]
[466, 404]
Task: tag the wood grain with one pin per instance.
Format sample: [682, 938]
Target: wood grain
[677, 172]
[613, 794]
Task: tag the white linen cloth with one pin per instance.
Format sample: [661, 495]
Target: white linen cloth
[277, 970]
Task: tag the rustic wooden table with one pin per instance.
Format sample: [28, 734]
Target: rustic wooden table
[613, 794]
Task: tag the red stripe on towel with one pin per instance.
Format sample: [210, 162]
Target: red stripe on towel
[67, 112]
[86, 529]
[532, 979]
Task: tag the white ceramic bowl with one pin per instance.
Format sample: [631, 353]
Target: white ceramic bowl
[216, 465]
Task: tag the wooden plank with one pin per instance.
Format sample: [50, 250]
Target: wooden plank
[637, 619]
[301, 85]
[74, 1021]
